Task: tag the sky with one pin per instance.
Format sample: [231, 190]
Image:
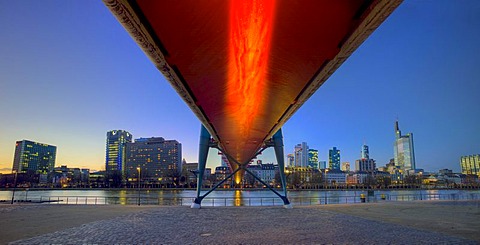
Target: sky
[69, 73]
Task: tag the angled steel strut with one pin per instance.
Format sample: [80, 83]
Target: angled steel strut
[206, 142]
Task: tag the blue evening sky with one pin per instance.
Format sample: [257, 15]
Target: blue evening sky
[69, 73]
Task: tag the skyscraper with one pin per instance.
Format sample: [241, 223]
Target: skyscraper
[365, 154]
[365, 163]
[403, 149]
[301, 155]
[322, 164]
[313, 158]
[290, 160]
[334, 158]
[470, 164]
[34, 157]
[345, 166]
[159, 159]
[115, 150]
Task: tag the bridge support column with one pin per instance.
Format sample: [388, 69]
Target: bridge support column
[204, 146]
[278, 147]
[205, 143]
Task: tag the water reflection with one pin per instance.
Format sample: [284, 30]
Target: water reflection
[238, 198]
[122, 197]
[231, 197]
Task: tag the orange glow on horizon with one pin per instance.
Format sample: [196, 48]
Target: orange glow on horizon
[251, 24]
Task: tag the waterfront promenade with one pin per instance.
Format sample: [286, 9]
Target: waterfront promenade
[416, 222]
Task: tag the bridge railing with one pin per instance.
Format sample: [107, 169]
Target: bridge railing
[249, 201]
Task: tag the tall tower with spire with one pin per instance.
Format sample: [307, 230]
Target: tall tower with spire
[404, 153]
[365, 154]
[398, 133]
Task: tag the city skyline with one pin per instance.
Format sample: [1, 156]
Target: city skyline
[68, 68]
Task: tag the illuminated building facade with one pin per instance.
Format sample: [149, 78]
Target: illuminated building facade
[115, 150]
[159, 160]
[290, 160]
[322, 164]
[345, 166]
[313, 158]
[365, 153]
[470, 164]
[34, 157]
[264, 171]
[334, 158]
[301, 155]
[365, 165]
[404, 154]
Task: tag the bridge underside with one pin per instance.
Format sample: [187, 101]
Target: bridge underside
[244, 67]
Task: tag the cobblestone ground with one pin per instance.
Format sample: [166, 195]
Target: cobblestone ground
[241, 225]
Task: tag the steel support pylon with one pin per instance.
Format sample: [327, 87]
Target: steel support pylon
[206, 143]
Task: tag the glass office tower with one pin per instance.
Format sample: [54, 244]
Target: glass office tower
[34, 157]
[115, 150]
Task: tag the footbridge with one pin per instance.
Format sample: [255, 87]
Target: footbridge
[244, 67]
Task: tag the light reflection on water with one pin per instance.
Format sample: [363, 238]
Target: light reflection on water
[226, 197]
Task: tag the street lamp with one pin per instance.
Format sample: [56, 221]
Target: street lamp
[138, 169]
[14, 185]
[326, 179]
[326, 182]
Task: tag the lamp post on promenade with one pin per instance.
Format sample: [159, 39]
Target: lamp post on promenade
[326, 184]
[14, 185]
[139, 171]
[326, 179]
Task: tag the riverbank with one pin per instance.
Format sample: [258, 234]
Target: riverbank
[234, 189]
[389, 222]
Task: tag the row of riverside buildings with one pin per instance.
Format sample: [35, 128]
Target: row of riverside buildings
[404, 156]
[156, 162]
[400, 170]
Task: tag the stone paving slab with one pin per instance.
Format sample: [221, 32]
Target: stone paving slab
[242, 225]
[457, 218]
[20, 221]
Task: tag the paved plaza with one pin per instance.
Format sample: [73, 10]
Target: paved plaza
[427, 222]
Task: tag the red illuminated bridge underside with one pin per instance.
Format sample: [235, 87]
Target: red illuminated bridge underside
[244, 67]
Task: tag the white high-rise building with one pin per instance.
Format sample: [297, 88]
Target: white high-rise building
[301, 155]
[404, 154]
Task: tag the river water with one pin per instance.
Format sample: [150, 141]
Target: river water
[229, 197]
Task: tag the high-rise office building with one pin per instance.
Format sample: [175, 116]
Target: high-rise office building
[365, 153]
[34, 157]
[334, 158]
[301, 155]
[345, 166]
[322, 164]
[157, 158]
[290, 160]
[313, 158]
[470, 164]
[404, 153]
[224, 160]
[115, 150]
[365, 165]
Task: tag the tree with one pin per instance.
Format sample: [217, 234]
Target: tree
[277, 178]
[295, 180]
[383, 181]
[411, 180]
[250, 180]
[316, 179]
[370, 181]
[113, 179]
[174, 176]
